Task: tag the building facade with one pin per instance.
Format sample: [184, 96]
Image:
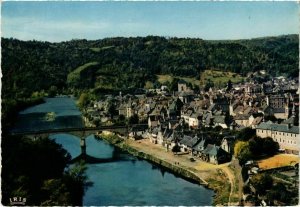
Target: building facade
[286, 135]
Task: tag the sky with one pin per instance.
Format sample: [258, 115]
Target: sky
[61, 21]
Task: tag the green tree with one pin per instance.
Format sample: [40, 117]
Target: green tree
[229, 85]
[242, 152]
[261, 183]
[270, 147]
[256, 146]
[209, 84]
[112, 109]
[83, 100]
[134, 119]
[173, 85]
[246, 134]
[176, 149]
[52, 91]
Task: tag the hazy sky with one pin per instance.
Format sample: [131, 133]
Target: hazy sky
[60, 21]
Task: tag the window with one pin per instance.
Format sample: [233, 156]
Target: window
[282, 133]
[276, 132]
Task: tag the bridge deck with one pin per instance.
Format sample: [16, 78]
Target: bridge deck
[82, 129]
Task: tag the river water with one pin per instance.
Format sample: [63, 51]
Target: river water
[128, 181]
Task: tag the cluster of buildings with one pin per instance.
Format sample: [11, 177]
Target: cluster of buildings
[271, 108]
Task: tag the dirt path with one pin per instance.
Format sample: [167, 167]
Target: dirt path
[231, 178]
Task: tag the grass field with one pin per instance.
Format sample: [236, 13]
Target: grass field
[219, 78]
[168, 78]
[279, 160]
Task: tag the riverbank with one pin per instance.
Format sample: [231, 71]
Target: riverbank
[209, 175]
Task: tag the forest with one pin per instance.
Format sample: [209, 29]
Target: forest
[120, 63]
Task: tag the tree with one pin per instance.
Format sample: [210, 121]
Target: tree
[270, 147]
[246, 134]
[176, 149]
[134, 119]
[242, 152]
[52, 91]
[37, 161]
[83, 100]
[208, 85]
[256, 145]
[121, 118]
[112, 109]
[173, 85]
[97, 122]
[278, 192]
[229, 85]
[261, 183]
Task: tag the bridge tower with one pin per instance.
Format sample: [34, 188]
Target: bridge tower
[83, 146]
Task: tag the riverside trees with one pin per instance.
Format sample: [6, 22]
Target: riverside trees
[36, 170]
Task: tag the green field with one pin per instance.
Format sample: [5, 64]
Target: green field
[219, 78]
[169, 78]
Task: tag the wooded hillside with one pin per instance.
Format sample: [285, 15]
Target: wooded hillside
[120, 63]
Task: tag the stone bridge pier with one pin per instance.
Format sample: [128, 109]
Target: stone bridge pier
[83, 146]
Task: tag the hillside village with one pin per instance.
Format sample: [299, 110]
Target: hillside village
[206, 124]
[271, 108]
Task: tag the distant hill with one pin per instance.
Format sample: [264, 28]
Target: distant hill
[122, 63]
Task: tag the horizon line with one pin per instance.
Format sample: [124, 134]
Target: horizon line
[167, 37]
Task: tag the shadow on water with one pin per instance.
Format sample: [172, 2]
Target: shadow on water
[95, 160]
[117, 156]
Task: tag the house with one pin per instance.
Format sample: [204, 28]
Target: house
[195, 140]
[160, 137]
[253, 89]
[154, 134]
[187, 143]
[228, 143]
[276, 101]
[281, 113]
[182, 86]
[171, 139]
[184, 142]
[186, 96]
[243, 119]
[256, 122]
[214, 154]
[222, 103]
[172, 110]
[199, 147]
[286, 135]
[186, 115]
[153, 121]
[266, 110]
[207, 119]
[220, 121]
[194, 120]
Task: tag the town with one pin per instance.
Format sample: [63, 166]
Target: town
[210, 125]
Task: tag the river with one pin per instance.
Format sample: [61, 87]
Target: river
[128, 181]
